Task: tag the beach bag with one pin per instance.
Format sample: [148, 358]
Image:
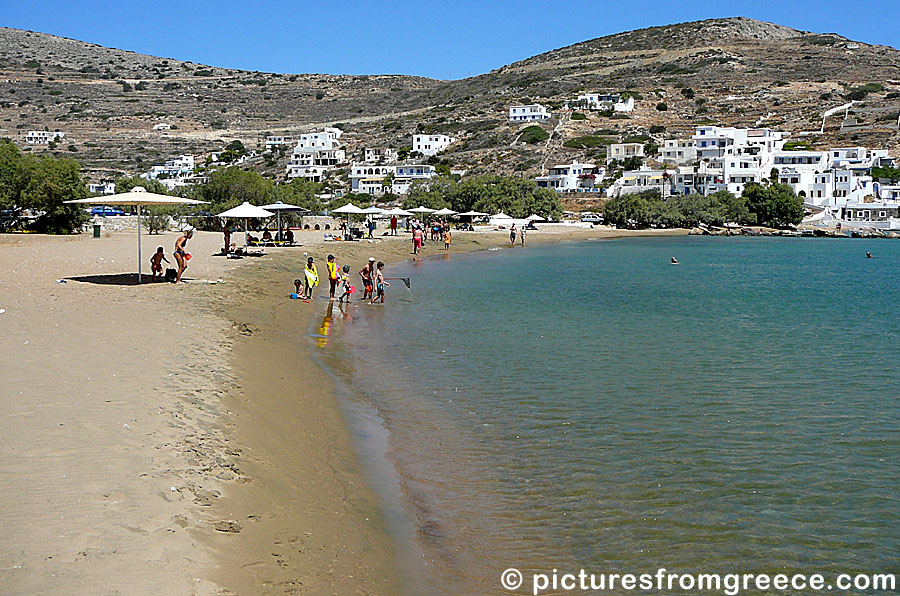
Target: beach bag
[171, 274]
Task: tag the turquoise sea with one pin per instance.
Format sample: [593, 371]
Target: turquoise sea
[589, 405]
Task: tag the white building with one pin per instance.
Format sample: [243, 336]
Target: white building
[678, 152]
[43, 137]
[431, 144]
[273, 141]
[162, 126]
[529, 113]
[573, 177]
[645, 179]
[603, 102]
[379, 155]
[177, 167]
[374, 179]
[104, 187]
[315, 154]
[622, 151]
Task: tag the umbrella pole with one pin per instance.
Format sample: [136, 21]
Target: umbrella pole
[139, 241]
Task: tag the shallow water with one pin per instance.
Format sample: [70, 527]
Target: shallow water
[589, 405]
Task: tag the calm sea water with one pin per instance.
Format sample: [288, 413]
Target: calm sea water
[589, 405]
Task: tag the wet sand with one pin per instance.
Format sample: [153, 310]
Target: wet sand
[179, 439]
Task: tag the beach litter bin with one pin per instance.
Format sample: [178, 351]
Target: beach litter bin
[96, 230]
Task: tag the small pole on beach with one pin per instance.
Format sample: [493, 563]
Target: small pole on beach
[139, 241]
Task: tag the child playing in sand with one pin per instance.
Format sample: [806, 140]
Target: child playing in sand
[380, 284]
[347, 289]
[156, 263]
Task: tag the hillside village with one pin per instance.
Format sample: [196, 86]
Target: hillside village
[684, 109]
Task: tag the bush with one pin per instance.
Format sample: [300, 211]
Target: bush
[578, 116]
[657, 129]
[586, 142]
[859, 93]
[662, 106]
[534, 134]
[688, 93]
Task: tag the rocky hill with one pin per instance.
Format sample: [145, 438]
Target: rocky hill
[728, 71]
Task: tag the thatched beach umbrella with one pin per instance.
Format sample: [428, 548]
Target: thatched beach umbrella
[136, 197]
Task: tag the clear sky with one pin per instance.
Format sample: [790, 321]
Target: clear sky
[433, 38]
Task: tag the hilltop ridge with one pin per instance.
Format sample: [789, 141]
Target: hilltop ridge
[739, 71]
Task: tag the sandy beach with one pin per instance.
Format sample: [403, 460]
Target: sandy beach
[179, 439]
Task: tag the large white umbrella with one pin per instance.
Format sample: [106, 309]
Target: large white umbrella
[398, 212]
[349, 209]
[245, 211]
[535, 217]
[501, 215]
[473, 214]
[421, 209]
[137, 197]
[373, 210]
[279, 206]
[445, 211]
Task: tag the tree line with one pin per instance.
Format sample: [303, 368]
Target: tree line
[769, 204]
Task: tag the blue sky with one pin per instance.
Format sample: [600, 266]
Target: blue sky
[429, 38]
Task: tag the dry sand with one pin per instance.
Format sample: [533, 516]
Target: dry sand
[179, 439]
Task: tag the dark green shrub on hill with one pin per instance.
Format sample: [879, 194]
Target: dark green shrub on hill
[534, 134]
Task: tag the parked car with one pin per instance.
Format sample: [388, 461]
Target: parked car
[593, 218]
[105, 211]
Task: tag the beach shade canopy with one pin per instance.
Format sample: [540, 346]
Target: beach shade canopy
[398, 212]
[445, 211]
[421, 209]
[501, 215]
[473, 214]
[245, 211]
[535, 217]
[279, 206]
[137, 197]
[373, 210]
[349, 209]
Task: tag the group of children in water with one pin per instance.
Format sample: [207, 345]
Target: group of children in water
[340, 286]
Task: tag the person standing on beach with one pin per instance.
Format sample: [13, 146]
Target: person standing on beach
[380, 284]
[311, 279]
[332, 276]
[393, 225]
[181, 255]
[447, 238]
[417, 236]
[226, 231]
[368, 274]
[522, 235]
[512, 235]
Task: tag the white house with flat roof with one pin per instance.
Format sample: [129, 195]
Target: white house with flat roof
[162, 126]
[529, 113]
[316, 153]
[174, 168]
[622, 151]
[602, 101]
[380, 155]
[678, 152]
[645, 179]
[430, 144]
[573, 177]
[104, 187]
[374, 179]
[273, 141]
[43, 137]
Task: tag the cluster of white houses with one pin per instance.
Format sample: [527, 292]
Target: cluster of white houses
[43, 137]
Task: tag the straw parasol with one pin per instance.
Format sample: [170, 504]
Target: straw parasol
[245, 211]
[137, 197]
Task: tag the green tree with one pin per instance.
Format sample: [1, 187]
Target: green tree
[774, 205]
[127, 183]
[232, 186]
[49, 182]
[300, 192]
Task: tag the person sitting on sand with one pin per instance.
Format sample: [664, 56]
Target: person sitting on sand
[288, 236]
[267, 235]
[156, 263]
[380, 284]
[181, 255]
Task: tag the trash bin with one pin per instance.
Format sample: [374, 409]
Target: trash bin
[96, 230]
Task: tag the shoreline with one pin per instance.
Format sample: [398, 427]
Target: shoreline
[165, 417]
